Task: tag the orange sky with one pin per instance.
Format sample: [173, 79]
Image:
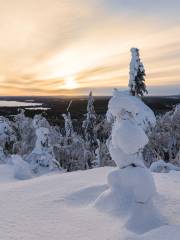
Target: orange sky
[67, 47]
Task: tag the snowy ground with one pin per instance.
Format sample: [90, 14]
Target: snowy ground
[60, 206]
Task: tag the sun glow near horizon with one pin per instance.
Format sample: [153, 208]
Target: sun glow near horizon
[70, 83]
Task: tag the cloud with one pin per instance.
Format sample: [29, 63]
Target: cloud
[43, 42]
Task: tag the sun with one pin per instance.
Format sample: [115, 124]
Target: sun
[70, 83]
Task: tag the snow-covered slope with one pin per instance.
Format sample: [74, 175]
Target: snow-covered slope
[60, 206]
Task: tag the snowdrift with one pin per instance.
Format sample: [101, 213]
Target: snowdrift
[60, 206]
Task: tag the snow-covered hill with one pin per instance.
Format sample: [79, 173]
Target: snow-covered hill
[59, 206]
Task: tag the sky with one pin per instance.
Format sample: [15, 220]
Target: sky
[69, 47]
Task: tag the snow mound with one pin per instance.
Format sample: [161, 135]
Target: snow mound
[85, 196]
[47, 207]
[126, 196]
[163, 167]
[6, 173]
[21, 168]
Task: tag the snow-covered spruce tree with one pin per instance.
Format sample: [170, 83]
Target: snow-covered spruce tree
[136, 75]
[25, 133]
[103, 157]
[69, 131]
[2, 155]
[7, 137]
[40, 121]
[131, 186]
[72, 153]
[42, 157]
[54, 131]
[103, 132]
[164, 139]
[89, 129]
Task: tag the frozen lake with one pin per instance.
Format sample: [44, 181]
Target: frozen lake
[18, 104]
[38, 108]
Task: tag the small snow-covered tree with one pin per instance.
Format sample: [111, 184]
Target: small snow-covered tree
[69, 131]
[103, 157]
[40, 121]
[42, 155]
[76, 154]
[54, 131]
[103, 132]
[136, 74]
[7, 136]
[164, 138]
[25, 132]
[89, 123]
[2, 155]
[89, 129]
[72, 154]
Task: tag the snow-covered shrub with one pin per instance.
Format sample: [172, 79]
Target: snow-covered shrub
[103, 157]
[68, 126]
[164, 139]
[72, 152]
[2, 155]
[103, 132]
[36, 140]
[42, 155]
[40, 121]
[25, 133]
[78, 155]
[56, 136]
[163, 167]
[7, 136]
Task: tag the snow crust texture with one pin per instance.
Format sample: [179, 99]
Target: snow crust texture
[60, 206]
